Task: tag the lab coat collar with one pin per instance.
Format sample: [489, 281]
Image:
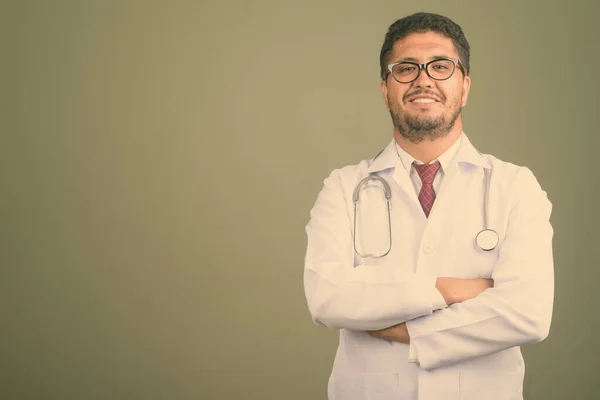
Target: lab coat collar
[467, 153]
[386, 158]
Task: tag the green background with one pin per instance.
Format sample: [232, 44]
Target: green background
[158, 162]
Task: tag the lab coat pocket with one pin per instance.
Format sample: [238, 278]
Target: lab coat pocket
[355, 386]
[491, 386]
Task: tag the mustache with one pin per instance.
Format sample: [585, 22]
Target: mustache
[409, 96]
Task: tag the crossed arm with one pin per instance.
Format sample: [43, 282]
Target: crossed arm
[475, 317]
[453, 290]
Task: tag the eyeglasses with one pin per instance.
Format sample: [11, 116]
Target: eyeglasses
[439, 69]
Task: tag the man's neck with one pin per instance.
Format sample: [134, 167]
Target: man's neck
[428, 150]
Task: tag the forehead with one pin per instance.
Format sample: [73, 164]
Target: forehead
[423, 46]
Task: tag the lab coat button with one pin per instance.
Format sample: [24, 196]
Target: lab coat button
[427, 249]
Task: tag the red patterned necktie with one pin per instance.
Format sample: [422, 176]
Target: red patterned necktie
[427, 174]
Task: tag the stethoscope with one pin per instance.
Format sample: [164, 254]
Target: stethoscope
[487, 239]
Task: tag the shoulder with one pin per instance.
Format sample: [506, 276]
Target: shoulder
[349, 175]
[517, 184]
[511, 174]
[354, 173]
[337, 189]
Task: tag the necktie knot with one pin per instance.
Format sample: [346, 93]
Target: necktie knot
[427, 172]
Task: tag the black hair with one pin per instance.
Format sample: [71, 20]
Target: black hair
[420, 23]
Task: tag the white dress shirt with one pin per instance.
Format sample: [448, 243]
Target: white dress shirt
[445, 159]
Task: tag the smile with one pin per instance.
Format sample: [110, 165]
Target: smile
[422, 100]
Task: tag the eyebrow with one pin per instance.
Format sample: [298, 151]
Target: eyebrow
[412, 59]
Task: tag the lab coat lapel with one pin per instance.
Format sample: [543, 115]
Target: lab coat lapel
[387, 159]
[402, 178]
[457, 171]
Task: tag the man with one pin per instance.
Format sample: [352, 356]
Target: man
[427, 310]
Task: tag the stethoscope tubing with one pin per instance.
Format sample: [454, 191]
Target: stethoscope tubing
[487, 239]
[388, 197]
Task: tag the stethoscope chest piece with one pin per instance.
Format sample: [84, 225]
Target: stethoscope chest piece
[487, 239]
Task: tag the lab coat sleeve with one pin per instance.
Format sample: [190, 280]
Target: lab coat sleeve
[517, 310]
[365, 297]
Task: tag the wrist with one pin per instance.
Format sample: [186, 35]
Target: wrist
[444, 287]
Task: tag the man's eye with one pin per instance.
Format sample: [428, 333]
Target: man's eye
[405, 69]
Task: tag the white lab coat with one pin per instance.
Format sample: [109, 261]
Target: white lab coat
[466, 351]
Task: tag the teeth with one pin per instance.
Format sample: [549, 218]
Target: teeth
[423, 101]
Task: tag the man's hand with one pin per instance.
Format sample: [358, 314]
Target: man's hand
[397, 333]
[456, 290]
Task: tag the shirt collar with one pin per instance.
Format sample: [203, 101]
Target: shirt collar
[445, 158]
[462, 151]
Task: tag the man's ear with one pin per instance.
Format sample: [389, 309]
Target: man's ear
[384, 92]
[466, 86]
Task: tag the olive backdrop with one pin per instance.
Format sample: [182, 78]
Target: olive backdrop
[158, 162]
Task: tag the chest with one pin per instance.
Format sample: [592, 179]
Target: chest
[443, 244]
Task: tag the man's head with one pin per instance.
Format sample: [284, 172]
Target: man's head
[425, 103]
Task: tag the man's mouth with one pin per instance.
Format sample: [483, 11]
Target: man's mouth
[423, 100]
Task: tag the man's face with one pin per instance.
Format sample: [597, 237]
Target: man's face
[414, 115]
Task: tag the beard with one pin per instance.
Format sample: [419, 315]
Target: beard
[421, 127]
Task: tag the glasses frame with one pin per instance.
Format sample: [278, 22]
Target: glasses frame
[425, 67]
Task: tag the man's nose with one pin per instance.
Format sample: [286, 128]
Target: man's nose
[423, 80]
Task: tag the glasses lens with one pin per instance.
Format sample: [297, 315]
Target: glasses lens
[441, 69]
[405, 72]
